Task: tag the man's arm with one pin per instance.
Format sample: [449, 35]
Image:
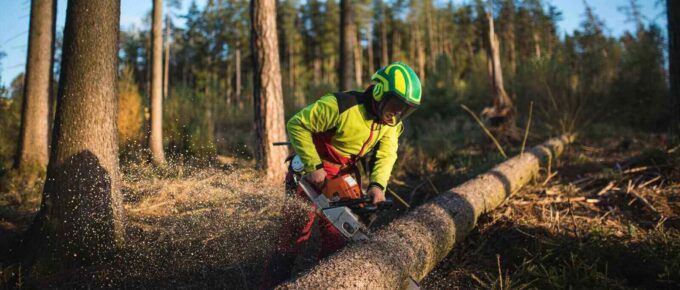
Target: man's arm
[318, 117]
[386, 157]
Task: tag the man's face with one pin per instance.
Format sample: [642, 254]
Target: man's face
[392, 111]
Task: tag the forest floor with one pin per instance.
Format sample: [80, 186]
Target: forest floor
[607, 215]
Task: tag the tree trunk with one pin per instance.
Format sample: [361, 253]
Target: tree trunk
[673, 10]
[32, 152]
[358, 55]
[537, 44]
[412, 245]
[501, 115]
[511, 39]
[80, 221]
[384, 55]
[369, 48]
[347, 37]
[430, 33]
[237, 60]
[156, 132]
[267, 92]
[166, 66]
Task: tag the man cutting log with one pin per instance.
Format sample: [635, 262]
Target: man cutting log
[331, 136]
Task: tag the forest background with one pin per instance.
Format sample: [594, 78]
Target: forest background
[586, 78]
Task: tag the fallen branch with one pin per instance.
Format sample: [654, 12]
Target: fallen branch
[412, 245]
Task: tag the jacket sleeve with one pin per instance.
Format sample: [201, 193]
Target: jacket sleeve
[318, 117]
[386, 156]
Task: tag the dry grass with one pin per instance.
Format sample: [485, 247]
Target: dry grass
[189, 227]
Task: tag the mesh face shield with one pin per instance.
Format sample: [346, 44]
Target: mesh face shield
[393, 109]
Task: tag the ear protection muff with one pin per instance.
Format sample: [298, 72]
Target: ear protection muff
[378, 92]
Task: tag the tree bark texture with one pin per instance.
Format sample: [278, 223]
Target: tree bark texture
[267, 91]
[156, 132]
[501, 97]
[166, 59]
[32, 152]
[384, 55]
[412, 245]
[347, 39]
[673, 9]
[358, 55]
[80, 221]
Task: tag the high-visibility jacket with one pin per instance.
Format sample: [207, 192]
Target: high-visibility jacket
[346, 122]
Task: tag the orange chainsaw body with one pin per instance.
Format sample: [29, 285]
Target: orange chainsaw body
[342, 187]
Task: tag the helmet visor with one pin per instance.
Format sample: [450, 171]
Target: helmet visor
[394, 110]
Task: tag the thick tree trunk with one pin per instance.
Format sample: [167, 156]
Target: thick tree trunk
[156, 132]
[673, 10]
[166, 60]
[80, 221]
[267, 92]
[347, 39]
[32, 152]
[412, 245]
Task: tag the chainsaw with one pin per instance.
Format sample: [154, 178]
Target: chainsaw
[341, 201]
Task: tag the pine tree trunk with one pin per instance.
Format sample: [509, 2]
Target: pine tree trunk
[166, 63]
[430, 33]
[237, 60]
[369, 48]
[673, 9]
[358, 55]
[347, 37]
[80, 221]
[267, 92]
[32, 152]
[511, 39]
[156, 132]
[384, 55]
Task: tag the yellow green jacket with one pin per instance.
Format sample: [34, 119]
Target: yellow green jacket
[348, 115]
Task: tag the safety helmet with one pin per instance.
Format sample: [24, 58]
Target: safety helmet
[396, 92]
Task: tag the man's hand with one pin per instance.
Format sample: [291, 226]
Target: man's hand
[317, 177]
[376, 194]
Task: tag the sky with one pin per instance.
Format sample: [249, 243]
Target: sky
[14, 22]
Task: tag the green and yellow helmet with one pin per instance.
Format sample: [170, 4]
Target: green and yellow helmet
[396, 91]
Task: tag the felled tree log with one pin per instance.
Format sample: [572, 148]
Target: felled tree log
[412, 245]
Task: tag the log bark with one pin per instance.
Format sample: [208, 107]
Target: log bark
[156, 128]
[80, 221]
[267, 91]
[412, 245]
[32, 152]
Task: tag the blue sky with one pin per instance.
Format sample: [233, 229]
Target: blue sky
[14, 18]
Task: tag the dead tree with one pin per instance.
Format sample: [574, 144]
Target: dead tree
[267, 91]
[347, 39]
[32, 152]
[411, 246]
[500, 115]
[673, 10]
[80, 221]
[156, 128]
